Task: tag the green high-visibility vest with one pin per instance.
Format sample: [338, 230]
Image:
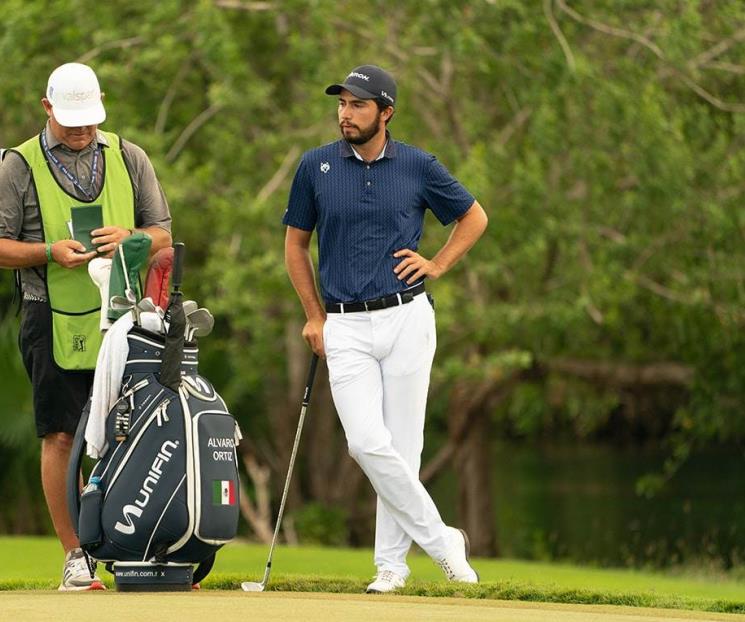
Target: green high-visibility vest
[72, 295]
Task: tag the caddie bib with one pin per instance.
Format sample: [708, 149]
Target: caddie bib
[73, 297]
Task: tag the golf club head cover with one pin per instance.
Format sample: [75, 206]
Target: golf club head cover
[135, 249]
[159, 276]
[99, 269]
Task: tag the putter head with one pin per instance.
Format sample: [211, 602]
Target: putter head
[251, 586]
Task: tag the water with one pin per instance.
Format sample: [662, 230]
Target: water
[579, 503]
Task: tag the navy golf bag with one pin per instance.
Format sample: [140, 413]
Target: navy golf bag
[163, 495]
[166, 489]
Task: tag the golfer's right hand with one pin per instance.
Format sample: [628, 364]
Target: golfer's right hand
[313, 334]
[69, 253]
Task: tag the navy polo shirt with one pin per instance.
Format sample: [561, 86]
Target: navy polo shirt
[366, 211]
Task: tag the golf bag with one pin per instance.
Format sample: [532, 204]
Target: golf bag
[166, 487]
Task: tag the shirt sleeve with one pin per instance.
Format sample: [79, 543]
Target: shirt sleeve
[14, 181]
[151, 207]
[444, 194]
[301, 207]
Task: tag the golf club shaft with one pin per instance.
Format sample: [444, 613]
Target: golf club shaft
[306, 401]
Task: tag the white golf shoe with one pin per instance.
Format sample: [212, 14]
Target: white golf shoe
[76, 576]
[386, 581]
[455, 563]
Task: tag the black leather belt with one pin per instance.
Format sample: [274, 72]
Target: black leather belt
[375, 304]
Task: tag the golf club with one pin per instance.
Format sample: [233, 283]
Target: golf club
[173, 351]
[251, 586]
[199, 323]
[189, 307]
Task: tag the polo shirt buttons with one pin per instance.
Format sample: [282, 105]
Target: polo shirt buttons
[369, 183]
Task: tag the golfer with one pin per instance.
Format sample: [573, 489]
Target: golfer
[70, 163]
[366, 196]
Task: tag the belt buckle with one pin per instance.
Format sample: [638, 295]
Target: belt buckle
[365, 303]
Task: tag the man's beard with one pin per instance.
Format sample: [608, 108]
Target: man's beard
[365, 133]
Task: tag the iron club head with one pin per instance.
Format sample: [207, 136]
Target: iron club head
[199, 323]
[251, 586]
[120, 303]
[189, 306]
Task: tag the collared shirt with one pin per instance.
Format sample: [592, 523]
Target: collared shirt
[20, 217]
[366, 211]
[381, 155]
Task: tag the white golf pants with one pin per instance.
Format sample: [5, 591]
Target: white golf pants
[379, 364]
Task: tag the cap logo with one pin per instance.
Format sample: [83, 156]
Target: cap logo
[79, 96]
[388, 97]
[354, 74]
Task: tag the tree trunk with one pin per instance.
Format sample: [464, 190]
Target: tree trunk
[471, 437]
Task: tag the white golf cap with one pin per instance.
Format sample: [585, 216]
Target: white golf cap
[75, 96]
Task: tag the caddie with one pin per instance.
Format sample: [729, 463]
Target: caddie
[70, 163]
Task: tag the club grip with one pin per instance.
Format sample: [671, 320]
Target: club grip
[178, 264]
[311, 376]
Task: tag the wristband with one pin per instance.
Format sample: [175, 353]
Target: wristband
[49, 252]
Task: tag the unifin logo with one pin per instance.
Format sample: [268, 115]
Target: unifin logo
[362, 76]
[134, 510]
[130, 512]
[325, 167]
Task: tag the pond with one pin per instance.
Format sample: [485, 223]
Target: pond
[579, 502]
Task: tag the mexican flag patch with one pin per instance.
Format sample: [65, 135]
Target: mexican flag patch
[223, 492]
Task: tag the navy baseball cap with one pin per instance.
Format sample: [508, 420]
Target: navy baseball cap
[368, 82]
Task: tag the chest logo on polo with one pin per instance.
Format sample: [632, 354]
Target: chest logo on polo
[325, 167]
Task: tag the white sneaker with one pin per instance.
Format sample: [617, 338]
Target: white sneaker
[76, 575]
[386, 581]
[455, 563]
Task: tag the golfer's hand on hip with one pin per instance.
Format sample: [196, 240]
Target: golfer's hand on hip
[413, 267]
[70, 253]
[313, 334]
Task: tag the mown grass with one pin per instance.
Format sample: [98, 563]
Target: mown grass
[35, 563]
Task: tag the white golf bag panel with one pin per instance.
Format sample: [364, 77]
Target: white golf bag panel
[169, 479]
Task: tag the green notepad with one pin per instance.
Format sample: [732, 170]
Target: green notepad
[86, 218]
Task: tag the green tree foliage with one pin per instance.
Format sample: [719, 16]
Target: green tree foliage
[603, 138]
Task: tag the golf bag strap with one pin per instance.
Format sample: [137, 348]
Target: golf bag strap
[201, 571]
[73, 468]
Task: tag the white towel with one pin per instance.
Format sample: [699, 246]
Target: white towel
[112, 357]
[99, 269]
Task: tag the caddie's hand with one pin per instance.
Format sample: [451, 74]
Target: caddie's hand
[414, 267]
[70, 253]
[313, 334]
[107, 238]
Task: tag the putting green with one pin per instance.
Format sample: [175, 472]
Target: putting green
[218, 606]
